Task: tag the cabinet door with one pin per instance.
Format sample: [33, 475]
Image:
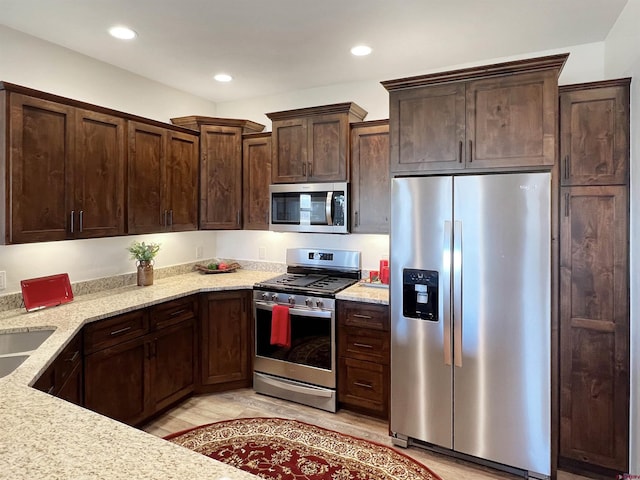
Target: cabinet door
[256, 172]
[98, 174]
[147, 156]
[328, 148]
[289, 147]
[72, 389]
[182, 182]
[173, 364]
[427, 128]
[220, 178]
[512, 120]
[594, 140]
[117, 381]
[41, 144]
[225, 337]
[594, 327]
[370, 184]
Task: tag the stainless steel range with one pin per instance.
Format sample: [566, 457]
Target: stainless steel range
[303, 369]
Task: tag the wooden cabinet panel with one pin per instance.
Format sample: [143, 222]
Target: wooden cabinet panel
[427, 128]
[364, 353]
[182, 168]
[220, 177]
[594, 328]
[112, 331]
[512, 121]
[370, 184]
[256, 173]
[289, 144]
[173, 363]
[99, 175]
[312, 144]
[117, 381]
[594, 131]
[147, 156]
[225, 339]
[41, 140]
[72, 390]
[64, 377]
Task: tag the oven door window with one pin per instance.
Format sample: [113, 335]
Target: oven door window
[311, 339]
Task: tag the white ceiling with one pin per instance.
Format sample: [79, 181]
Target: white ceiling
[283, 45]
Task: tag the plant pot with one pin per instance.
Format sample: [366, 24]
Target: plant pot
[145, 273]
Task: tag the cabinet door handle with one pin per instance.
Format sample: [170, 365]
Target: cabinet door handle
[238, 218]
[178, 312]
[72, 219]
[460, 151]
[164, 218]
[310, 169]
[51, 389]
[81, 219]
[362, 345]
[363, 385]
[120, 331]
[74, 357]
[356, 218]
[171, 218]
[359, 315]
[470, 151]
[304, 169]
[566, 166]
[566, 204]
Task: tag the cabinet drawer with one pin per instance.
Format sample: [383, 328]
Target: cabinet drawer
[112, 331]
[366, 315]
[364, 344]
[364, 385]
[68, 360]
[173, 312]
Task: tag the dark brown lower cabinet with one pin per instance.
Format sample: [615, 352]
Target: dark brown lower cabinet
[225, 336]
[364, 358]
[594, 330]
[63, 378]
[132, 379]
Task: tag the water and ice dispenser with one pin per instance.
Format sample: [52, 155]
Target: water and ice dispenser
[420, 294]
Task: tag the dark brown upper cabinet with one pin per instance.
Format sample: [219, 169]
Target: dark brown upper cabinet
[256, 175]
[220, 168]
[501, 116]
[370, 184]
[163, 179]
[65, 169]
[594, 133]
[312, 144]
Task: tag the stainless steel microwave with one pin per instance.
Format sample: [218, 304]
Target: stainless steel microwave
[309, 207]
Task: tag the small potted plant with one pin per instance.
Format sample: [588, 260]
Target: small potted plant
[144, 253]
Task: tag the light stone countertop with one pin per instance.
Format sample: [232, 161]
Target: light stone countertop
[361, 292]
[46, 437]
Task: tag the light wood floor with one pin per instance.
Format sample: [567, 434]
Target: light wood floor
[205, 409]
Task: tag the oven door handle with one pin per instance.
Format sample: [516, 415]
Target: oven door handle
[317, 392]
[296, 311]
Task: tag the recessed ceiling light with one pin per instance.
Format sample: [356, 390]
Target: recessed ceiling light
[223, 77]
[123, 33]
[360, 50]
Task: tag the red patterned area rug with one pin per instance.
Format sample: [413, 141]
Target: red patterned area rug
[281, 449]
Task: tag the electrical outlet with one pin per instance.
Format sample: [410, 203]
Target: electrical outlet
[262, 253]
[199, 252]
[3, 280]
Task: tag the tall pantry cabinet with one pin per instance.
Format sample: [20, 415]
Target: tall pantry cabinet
[594, 278]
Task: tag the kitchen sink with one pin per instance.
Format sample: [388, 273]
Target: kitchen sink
[9, 364]
[17, 342]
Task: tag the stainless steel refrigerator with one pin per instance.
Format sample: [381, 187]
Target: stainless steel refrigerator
[471, 316]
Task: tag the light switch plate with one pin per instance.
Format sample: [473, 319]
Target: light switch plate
[3, 280]
[262, 253]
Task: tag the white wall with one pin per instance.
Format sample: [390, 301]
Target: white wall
[31, 62]
[622, 59]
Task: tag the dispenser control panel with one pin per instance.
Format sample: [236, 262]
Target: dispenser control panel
[420, 294]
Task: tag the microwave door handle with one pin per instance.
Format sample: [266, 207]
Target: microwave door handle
[328, 208]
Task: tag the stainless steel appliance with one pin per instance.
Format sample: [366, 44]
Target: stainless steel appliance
[470, 305]
[309, 207]
[305, 372]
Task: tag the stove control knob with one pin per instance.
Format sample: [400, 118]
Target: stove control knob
[274, 297]
[292, 300]
[309, 303]
[264, 296]
[319, 304]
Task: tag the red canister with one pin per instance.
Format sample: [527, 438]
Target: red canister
[384, 275]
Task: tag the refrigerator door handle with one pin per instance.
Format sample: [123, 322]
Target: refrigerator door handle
[457, 293]
[446, 292]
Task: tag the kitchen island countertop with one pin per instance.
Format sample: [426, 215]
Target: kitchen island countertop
[46, 437]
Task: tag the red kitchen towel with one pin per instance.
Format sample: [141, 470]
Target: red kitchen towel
[280, 326]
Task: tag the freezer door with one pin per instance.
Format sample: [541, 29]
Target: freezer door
[501, 301]
[421, 371]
